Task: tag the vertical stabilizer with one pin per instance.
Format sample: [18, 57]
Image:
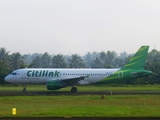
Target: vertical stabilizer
[138, 60]
[133, 69]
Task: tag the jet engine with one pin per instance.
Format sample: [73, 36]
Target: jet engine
[54, 85]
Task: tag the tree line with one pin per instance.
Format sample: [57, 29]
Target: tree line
[109, 59]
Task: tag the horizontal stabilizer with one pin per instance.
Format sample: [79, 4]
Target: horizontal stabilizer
[140, 73]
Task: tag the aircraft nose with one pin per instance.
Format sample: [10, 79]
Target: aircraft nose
[7, 78]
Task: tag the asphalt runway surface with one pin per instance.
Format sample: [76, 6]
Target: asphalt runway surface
[57, 93]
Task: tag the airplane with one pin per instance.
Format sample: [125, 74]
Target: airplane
[56, 78]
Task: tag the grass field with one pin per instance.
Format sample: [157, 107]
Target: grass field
[155, 87]
[83, 105]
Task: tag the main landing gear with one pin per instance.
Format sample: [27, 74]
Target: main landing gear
[73, 89]
[24, 89]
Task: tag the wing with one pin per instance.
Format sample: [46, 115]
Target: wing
[71, 81]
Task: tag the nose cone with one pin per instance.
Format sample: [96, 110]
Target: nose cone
[7, 78]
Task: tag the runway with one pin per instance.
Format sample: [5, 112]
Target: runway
[57, 93]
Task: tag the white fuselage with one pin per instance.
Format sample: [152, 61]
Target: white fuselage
[42, 75]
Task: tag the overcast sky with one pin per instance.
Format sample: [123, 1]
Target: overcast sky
[79, 26]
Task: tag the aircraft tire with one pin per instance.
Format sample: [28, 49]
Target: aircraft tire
[73, 89]
[24, 89]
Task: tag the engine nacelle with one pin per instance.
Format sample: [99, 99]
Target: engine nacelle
[54, 85]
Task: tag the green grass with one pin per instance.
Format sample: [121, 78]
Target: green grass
[83, 106]
[155, 87]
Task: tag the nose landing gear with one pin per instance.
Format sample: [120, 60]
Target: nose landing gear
[24, 89]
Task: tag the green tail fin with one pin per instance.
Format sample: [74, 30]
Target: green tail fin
[132, 70]
[138, 60]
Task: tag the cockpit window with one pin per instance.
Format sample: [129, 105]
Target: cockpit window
[14, 73]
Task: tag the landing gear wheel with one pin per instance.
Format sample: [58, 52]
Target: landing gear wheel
[73, 89]
[24, 89]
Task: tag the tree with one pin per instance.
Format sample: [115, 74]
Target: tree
[153, 64]
[110, 56]
[41, 61]
[28, 58]
[88, 59]
[127, 59]
[58, 61]
[97, 63]
[4, 64]
[76, 62]
[4, 70]
[123, 55]
[36, 62]
[118, 62]
[46, 60]
[94, 55]
[103, 56]
[4, 57]
[3, 54]
[107, 59]
[16, 61]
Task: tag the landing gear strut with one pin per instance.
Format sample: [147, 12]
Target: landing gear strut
[73, 89]
[24, 89]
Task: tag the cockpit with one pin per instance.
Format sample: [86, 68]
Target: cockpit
[15, 73]
[12, 77]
